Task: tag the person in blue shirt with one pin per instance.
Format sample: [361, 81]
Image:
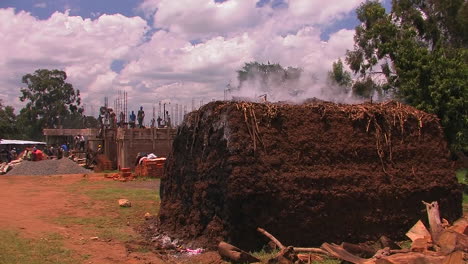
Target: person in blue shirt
[132, 119]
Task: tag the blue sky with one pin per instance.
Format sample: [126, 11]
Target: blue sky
[167, 50]
[91, 9]
[83, 8]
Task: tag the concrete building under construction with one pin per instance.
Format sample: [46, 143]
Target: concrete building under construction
[120, 145]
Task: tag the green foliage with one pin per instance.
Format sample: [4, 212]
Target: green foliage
[49, 99]
[462, 176]
[419, 51]
[269, 76]
[8, 127]
[365, 88]
[338, 76]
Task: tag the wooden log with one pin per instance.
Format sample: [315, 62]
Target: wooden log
[359, 250]
[271, 237]
[435, 224]
[235, 254]
[420, 245]
[286, 256]
[311, 250]
[310, 257]
[460, 226]
[340, 253]
[450, 241]
[455, 258]
[411, 258]
[387, 242]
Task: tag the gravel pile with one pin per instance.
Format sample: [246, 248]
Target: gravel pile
[47, 167]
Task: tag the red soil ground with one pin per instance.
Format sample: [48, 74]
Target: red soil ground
[29, 205]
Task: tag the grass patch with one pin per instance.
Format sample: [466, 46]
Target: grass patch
[112, 220]
[462, 176]
[115, 193]
[106, 228]
[265, 255]
[47, 250]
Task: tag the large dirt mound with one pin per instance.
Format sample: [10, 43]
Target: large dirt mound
[306, 173]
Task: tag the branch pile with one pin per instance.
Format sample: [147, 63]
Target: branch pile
[441, 244]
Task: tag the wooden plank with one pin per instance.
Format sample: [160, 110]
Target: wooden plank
[233, 253]
[418, 231]
[411, 258]
[341, 253]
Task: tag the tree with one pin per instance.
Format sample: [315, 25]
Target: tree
[419, 51]
[49, 98]
[8, 127]
[340, 77]
[270, 77]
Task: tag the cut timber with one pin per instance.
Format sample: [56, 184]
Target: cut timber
[454, 258]
[411, 258]
[286, 256]
[359, 250]
[271, 237]
[420, 245]
[450, 241]
[418, 231]
[311, 250]
[308, 258]
[460, 226]
[341, 253]
[433, 215]
[235, 254]
[387, 242]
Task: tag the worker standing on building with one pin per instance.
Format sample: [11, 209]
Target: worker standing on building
[82, 143]
[141, 116]
[159, 121]
[122, 119]
[132, 120]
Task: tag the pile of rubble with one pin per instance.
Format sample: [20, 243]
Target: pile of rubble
[46, 167]
[124, 175]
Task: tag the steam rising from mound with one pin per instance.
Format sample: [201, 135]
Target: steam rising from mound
[307, 173]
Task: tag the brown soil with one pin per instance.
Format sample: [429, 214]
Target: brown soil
[29, 205]
[306, 173]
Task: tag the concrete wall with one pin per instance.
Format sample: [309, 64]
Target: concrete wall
[150, 140]
[110, 146]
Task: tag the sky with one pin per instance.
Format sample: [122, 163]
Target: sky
[171, 51]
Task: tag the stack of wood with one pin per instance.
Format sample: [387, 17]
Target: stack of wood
[103, 163]
[441, 244]
[152, 168]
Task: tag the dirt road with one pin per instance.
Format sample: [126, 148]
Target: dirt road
[80, 213]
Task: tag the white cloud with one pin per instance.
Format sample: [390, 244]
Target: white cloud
[321, 11]
[85, 48]
[166, 64]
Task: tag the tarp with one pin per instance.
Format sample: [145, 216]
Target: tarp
[20, 142]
